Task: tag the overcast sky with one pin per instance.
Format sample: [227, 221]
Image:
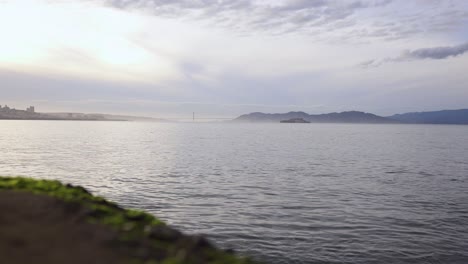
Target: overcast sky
[169, 58]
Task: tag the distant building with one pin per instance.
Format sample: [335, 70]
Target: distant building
[31, 109]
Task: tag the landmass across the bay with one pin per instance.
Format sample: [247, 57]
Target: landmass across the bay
[7, 113]
[459, 117]
[343, 117]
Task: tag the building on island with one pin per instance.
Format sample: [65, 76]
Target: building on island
[11, 113]
[4, 108]
[30, 109]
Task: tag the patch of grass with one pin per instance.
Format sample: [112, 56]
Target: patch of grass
[48, 187]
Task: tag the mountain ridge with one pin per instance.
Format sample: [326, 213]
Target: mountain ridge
[455, 117]
[449, 117]
[342, 117]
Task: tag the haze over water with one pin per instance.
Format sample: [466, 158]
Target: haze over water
[282, 193]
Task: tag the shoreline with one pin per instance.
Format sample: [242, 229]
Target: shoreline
[49, 222]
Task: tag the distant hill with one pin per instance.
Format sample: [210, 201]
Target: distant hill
[343, 117]
[459, 117]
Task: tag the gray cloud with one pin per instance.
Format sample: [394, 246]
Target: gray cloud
[436, 53]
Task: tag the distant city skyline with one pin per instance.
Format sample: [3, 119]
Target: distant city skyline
[227, 58]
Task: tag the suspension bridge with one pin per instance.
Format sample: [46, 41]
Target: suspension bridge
[198, 118]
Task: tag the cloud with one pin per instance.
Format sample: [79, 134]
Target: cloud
[325, 20]
[331, 21]
[275, 17]
[436, 53]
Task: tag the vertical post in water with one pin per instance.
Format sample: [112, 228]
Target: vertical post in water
[193, 116]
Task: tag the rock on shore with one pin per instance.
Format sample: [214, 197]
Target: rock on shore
[44, 221]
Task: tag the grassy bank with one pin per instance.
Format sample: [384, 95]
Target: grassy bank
[76, 219]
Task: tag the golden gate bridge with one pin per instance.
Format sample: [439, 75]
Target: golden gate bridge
[195, 118]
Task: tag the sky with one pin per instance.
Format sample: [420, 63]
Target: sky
[224, 58]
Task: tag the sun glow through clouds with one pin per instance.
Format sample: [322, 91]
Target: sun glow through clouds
[74, 39]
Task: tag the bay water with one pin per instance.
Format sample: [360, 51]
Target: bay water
[280, 193]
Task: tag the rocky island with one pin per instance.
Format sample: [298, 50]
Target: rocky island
[295, 120]
[45, 221]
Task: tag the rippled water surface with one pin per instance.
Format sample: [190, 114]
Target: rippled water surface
[282, 193]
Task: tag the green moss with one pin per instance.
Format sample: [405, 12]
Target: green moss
[49, 187]
[133, 227]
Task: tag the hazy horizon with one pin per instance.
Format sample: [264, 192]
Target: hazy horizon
[213, 117]
[226, 58]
